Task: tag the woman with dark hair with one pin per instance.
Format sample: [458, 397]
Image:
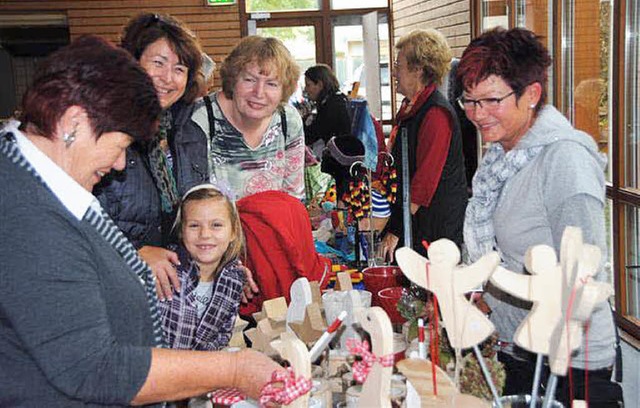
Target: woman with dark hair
[80, 324]
[332, 115]
[538, 176]
[437, 182]
[143, 198]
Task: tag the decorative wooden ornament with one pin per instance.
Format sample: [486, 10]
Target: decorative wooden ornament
[312, 325]
[296, 353]
[580, 295]
[377, 387]
[418, 371]
[237, 337]
[343, 281]
[262, 335]
[316, 295]
[419, 378]
[276, 311]
[543, 288]
[466, 325]
[301, 297]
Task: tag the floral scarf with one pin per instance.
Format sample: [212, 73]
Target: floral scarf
[160, 166]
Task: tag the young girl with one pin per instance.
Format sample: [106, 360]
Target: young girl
[202, 315]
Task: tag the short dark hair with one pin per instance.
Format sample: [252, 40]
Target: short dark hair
[323, 73]
[267, 52]
[105, 81]
[516, 55]
[147, 28]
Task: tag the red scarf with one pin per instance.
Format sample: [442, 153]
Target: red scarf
[408, 109]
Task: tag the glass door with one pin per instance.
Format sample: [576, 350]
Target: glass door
[301, 40]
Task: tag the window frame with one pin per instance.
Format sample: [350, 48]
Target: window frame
[324, 39]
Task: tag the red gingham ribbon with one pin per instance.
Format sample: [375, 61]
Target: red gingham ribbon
[226, 396]
[284, 388]
[361, 368]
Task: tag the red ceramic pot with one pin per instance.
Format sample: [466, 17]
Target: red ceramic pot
[388, 299]
[376, 278]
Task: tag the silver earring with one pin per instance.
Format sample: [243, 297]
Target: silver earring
[533, 105]
[69, 138]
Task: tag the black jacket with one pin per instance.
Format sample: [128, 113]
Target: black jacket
[131, 197]
[332, 119]
[444, 217]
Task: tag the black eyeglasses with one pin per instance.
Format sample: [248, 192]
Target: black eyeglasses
[487, 103]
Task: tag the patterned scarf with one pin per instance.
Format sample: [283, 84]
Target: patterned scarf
[160, 170]
[110, 232]
[496, 169]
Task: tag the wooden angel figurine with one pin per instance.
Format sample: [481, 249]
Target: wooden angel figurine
[466, 325]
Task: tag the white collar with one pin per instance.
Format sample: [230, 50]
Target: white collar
[71, 194]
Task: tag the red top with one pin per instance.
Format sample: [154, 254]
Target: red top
[434, 138]
[279, 245]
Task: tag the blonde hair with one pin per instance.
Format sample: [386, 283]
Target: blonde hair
[428, 51]
[210, 192]
[268, 53]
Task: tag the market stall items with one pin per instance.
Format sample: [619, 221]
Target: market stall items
[377, 365]
[237, 337]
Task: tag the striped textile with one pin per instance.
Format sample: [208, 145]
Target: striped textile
[380, 205]
[99, 219]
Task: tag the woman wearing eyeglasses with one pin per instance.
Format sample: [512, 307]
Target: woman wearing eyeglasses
[538, 176]
[142, 199]
[438, 189]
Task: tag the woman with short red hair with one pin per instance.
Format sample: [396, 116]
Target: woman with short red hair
[538, 176]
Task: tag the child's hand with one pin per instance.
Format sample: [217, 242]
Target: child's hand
[250, 287]
[163, 265]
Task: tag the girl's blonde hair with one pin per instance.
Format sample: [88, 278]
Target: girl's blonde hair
[210, 192]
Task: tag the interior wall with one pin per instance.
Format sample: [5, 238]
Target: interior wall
[451, 17]
[217, 27]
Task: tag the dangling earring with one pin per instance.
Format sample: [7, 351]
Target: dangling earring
[69, 138]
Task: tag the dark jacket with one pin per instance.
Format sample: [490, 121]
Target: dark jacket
[331, 120]
[131, 197]
[444, 217]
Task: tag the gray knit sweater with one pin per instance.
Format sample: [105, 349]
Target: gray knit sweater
[75, 328]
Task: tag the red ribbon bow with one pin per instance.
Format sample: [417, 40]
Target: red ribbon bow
[284, 388]
[361, 368]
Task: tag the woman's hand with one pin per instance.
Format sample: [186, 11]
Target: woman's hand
[250, 288]
[253, 372]
[163, 265]
[388, 246]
